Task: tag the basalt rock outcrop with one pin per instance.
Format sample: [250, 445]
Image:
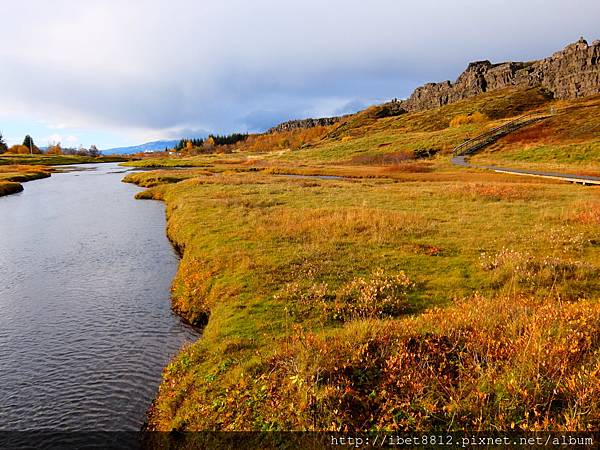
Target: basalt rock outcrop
[305, 123]
[570, 73]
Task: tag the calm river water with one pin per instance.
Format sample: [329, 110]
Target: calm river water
[85, 320]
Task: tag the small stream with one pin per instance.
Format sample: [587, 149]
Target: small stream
[85, 321]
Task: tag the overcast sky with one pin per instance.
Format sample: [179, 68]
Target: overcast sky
[126, 72]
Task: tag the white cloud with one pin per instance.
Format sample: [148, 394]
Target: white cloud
[154, 67]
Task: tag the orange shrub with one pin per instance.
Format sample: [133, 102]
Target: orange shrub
[590, 215]
[463, 119]
[54, 150]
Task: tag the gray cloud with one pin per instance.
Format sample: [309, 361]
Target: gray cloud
[176, 66]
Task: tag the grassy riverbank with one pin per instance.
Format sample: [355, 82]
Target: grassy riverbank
[56, 160]
[12, 176]
[408, 295]
[17, 169]
[318, 293]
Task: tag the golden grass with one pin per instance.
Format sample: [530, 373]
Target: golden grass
[12, 175]
[406, 295]
[9, 187]
[589, 214]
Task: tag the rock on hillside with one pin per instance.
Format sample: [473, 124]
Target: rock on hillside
[570, 73]
[305, 123]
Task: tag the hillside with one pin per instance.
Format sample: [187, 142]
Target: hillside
[568, 141]
[570, 73]
[371, 300]
[348, 277]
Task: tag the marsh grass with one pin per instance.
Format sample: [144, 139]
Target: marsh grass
[406, 295]
[367, 303]
[9, 187]
[55, 160]
[11, 177]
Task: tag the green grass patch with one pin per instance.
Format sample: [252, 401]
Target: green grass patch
[269, 262]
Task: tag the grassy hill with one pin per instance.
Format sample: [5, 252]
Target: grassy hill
[408, 294]
[568, 141]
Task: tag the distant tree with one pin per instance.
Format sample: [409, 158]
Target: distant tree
[93, 151]
[228, 139]
[210, 142]
[28, 142]
[3, 146]
[54, 149]
[81, 151]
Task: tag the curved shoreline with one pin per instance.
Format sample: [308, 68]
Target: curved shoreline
[12, 184]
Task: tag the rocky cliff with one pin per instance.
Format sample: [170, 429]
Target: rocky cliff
[570, 73]
[305, 123]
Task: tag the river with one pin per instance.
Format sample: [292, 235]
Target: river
[85, 320]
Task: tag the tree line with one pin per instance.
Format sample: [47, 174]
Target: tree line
[211, 141]
[55, 148]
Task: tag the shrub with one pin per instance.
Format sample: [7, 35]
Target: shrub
[546, 275]
[378, 296]
[463, 119]
[589, 215]
[19, 150]
[483, 363]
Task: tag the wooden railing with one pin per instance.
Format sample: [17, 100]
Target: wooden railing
[490, 136]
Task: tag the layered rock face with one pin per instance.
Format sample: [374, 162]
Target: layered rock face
[570, 73]
[304, 123]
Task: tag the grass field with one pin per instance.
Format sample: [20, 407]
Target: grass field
[408, 294]
[315, 294]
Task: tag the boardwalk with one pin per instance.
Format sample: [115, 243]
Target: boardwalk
[580, 179]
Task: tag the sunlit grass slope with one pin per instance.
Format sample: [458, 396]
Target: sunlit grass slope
[317, 297]
[568, 141]
[409, 294]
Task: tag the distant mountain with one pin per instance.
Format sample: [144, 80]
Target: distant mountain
[147, 147]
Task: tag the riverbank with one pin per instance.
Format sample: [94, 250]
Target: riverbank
[17, 169]
[340, 304]
[11, 177]
[57, 160]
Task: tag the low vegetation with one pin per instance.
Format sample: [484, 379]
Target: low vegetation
[11, 177]
[54, 160]
[350, 278]
[370, 303]
[9, 187]
[569, 141]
